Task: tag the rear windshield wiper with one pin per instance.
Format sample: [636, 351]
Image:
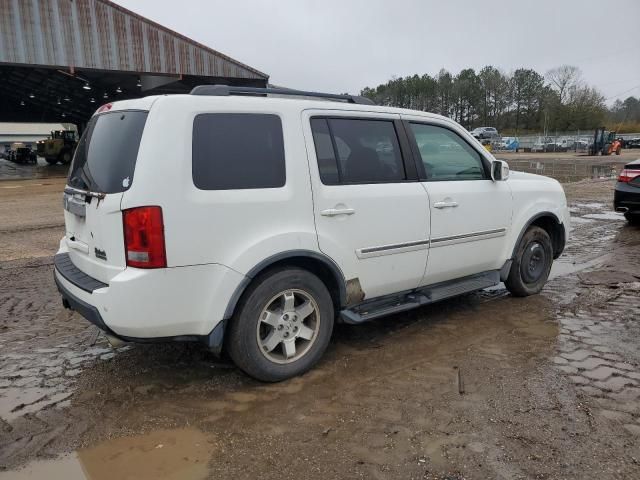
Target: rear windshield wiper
[80, 191]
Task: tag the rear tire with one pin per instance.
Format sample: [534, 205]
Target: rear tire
[531, 264]
[282, 326]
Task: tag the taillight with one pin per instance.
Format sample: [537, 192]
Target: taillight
[626, 175]
[104, 108]
[144, 237]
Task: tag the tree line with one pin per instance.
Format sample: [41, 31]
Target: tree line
[518, 102]
[625, 115]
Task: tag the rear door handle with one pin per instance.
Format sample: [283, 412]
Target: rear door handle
[332, 212]
[445, 204]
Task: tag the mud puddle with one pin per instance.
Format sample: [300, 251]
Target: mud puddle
[563, 267]
[18, 171]
[164, 454]
[618, 217]
[66, 467]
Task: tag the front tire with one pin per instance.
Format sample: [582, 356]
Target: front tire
[531, 264]
[632, 218]
[65, 157]
[282, 326]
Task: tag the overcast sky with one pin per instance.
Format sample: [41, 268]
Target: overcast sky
[345, 45]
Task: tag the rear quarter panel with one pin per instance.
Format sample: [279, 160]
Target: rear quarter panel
[235, 228]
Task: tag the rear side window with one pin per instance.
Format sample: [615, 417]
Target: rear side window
[352, 151]
[105, 158]
[324, 152]
[237, 151]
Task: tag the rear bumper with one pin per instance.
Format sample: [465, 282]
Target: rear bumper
[181, 303]
[214, 340]
[627, 196]
[88, 311]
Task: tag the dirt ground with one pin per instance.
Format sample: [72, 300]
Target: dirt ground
[480, 387]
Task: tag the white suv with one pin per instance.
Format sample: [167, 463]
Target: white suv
[253, 219]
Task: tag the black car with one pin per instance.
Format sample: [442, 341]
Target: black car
[24, 155]
[633, 143]
[626, 198]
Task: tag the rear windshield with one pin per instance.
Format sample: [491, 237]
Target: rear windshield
[106, 155]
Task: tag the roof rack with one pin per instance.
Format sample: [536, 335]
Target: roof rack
[226, 90]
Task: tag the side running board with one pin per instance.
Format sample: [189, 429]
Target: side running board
[401, 302]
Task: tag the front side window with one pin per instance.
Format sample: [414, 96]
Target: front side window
[237, 151]
[357, 151]
[445, 155]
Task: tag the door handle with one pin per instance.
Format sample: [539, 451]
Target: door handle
[445, 204]
[332, 212]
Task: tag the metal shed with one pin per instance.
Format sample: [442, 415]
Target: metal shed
[60, 59]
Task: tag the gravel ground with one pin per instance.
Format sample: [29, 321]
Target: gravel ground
[482, 386]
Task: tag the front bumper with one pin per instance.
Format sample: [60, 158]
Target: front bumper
[627, 196]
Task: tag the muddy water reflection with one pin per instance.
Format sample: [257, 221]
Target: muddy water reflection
[180, 454]
[17, 171]
[66, 467]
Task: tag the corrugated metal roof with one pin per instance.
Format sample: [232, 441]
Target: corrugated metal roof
[100, 35]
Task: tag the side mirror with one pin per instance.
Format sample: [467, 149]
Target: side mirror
[499, 170]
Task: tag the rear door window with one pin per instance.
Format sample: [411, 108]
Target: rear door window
[355, 151]
[237, 151]
[105, 158]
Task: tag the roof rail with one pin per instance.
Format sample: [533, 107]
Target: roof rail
[226, 90]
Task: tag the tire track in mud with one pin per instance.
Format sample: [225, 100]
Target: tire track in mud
[598, 312]
[43, 350]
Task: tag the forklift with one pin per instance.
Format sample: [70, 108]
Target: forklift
[605, 143]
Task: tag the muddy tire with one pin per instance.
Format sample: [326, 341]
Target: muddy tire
[632, 218]
[282, 326]
[531, 264]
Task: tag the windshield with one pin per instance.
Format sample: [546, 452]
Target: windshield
[106, 155]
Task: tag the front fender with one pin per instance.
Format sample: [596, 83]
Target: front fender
[542, 198]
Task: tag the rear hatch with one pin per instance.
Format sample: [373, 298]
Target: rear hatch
[102, 170]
